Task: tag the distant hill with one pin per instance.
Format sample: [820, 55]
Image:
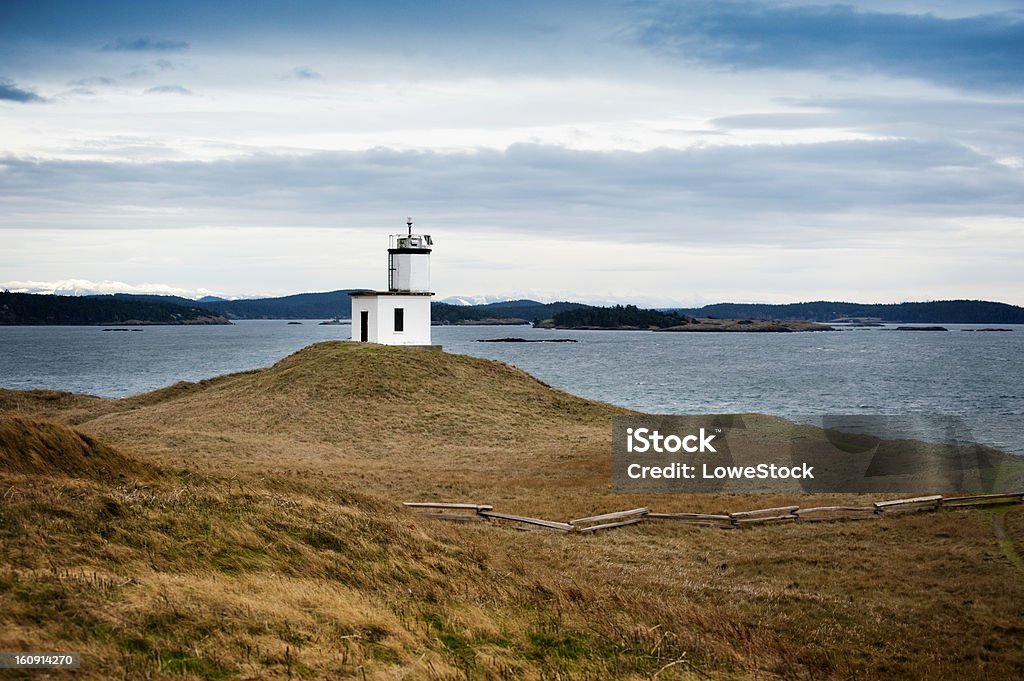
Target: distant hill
[339, 304]
[31, 309]
[936, 312]
[446, 313]
[531, 309]
[615, 317]
[332, 304]
[146, 297]
[300, 306]
[525, 310]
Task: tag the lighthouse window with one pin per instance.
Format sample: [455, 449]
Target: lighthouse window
[399, 319]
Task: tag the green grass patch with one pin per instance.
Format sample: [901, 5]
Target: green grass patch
[556, 647]
[184, 662]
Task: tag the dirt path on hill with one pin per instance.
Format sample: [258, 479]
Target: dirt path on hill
[1005, 542]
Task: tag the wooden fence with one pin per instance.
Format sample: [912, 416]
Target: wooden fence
[464, 512]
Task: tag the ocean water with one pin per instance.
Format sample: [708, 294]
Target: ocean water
[979, 376]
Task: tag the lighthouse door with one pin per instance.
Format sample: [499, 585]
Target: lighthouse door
[364, 325]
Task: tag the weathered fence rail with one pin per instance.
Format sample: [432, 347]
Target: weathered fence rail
[983, 500]
[695, 518]
[764, 515]
[819, 514]
[915, 504]
[550, 524]
[617, 515]
[449, 506]
[607, 521]
[448, 511]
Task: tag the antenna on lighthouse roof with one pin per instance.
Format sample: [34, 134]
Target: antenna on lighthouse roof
[408, 221]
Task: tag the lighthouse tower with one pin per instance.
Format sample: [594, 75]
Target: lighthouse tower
[400, 315]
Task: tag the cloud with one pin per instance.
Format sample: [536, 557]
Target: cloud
[145, 44]
[91, 82]
[893, 115]
[304, 73]
[168, 90]
[991, 125]
[875, 220]
[460, 36]
[828, 194]
[974, 52]
[12, 93]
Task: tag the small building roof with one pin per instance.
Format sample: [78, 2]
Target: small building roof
[360, 294]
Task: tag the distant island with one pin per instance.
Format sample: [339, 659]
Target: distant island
[509, 312]
[327, 305]
[748, 326]
[28, 309]
[934, 312]
[631, 317]
[332, 305]
[338, 305]
[623, 317]
[548, 315]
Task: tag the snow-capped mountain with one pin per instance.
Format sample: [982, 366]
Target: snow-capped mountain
[85, 287]
[474, 300]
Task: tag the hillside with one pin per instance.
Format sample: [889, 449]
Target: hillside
[38, 310]
[509, 311]
[31, 446]
[630, 317]
[935, 312]
[528, 309]
[401, 422]
[151, 574]
[300, 306]
[339, 304]
[614, 317]
[441, 423]
[256, 533]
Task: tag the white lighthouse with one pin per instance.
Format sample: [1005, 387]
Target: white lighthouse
[400, 315]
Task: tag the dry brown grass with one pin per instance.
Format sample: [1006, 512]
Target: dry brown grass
[401, 422]
[268, 541]
[53, 404]
[44, 448]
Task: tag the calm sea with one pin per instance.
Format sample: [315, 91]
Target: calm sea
[979, 376]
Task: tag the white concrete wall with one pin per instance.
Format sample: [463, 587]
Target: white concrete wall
[381, 311]
[360, 304]
[412, 271]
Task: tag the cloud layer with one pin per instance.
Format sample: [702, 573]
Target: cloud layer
[12, 93]
[145, 44]
[983, 52]
[872, 149]
[799, 194]
[168, 90]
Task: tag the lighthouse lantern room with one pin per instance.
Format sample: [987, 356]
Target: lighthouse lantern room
[400, 315]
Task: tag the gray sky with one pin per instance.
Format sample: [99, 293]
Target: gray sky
[651, 152]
